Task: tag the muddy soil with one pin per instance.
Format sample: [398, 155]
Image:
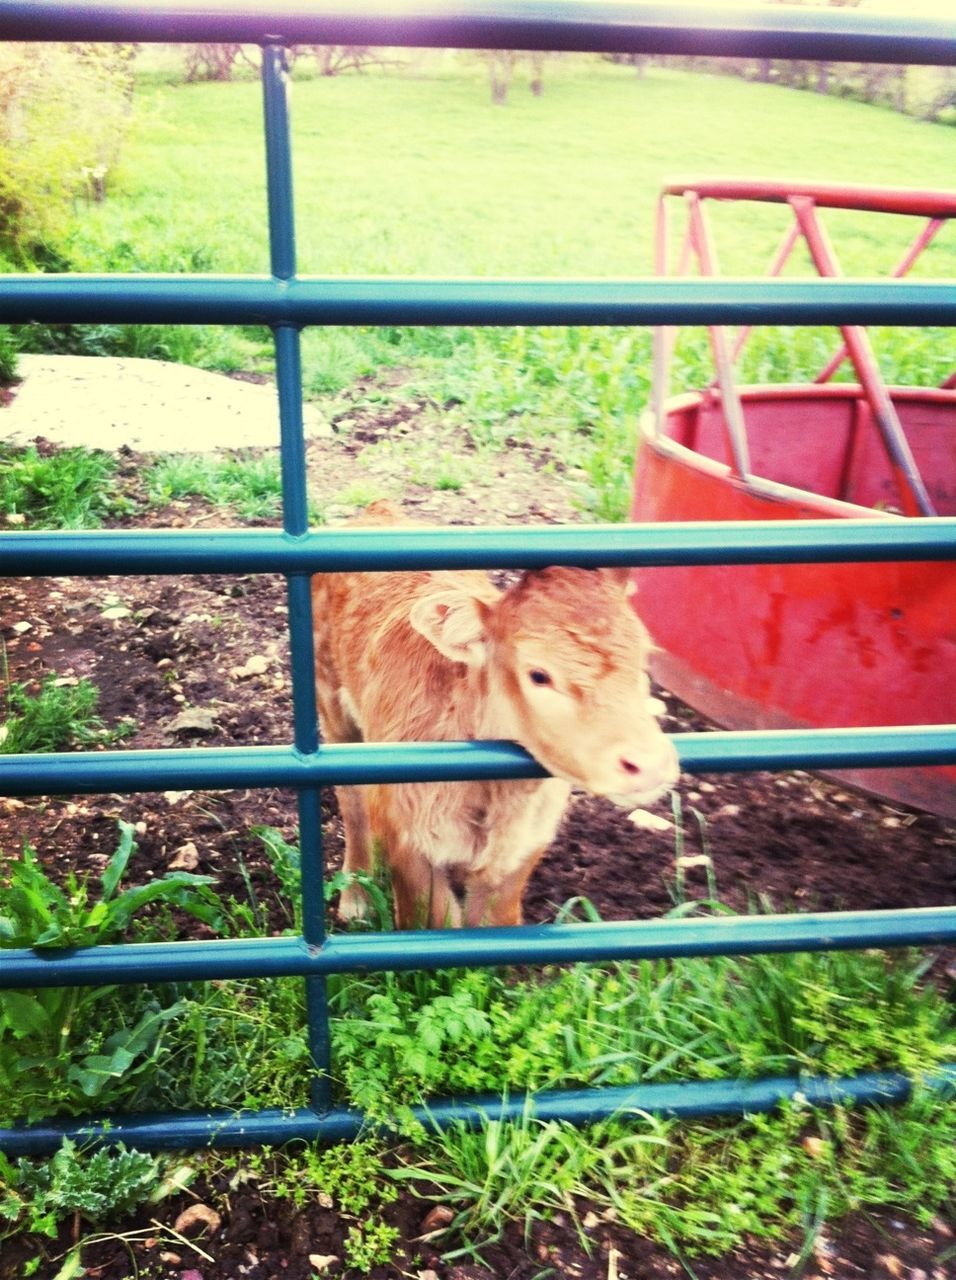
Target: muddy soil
[159, 647]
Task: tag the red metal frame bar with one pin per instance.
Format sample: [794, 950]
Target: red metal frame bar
[913, 492]
[804, 199]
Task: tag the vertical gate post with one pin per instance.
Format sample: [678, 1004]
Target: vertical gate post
[295, 518]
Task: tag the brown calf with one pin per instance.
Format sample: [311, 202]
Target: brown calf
[556, 663]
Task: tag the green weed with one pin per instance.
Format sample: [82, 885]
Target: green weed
[94, 1185]
[68, 489]
[58, 717]
[8, 355]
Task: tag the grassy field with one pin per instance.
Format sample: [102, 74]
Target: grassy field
[418, 173]
[423, 175]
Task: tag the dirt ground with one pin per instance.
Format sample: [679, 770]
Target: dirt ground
[159, 646]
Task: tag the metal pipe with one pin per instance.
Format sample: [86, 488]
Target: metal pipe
[835, 35]
[354, 764]
[433, 949]
[914, 495]
[923, 239]
[362, 300]
[686, 1099]
[113, 551]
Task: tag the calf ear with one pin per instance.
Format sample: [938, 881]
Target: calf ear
[455, 623]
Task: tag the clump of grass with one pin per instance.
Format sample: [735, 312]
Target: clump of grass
[251, 484]
[68, 489]
[58, 717]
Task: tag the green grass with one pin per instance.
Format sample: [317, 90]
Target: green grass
[697, 1188]
[411, 173]
[68, 489]
[251, 484]
[59, 716]
[418, 173]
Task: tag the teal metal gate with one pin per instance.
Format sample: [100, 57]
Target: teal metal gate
[286, 302]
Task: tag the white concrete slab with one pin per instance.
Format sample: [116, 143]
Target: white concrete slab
[151, 406]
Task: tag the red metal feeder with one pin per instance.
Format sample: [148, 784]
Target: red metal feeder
[804, 646]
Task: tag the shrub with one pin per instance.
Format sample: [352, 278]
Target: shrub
[63, 111]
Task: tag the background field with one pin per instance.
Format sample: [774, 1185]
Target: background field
[418, 173]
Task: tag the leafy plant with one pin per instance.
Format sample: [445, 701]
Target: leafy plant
[67, 489]
[57, 718]
[9, 354]
[61, 1047]
[37, 1195]
[63, 116]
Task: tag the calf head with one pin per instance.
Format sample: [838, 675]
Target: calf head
[563, 659]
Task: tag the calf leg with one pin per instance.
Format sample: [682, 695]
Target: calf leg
[497, 900]
[337, 726]
[423, 893]
[353, 902]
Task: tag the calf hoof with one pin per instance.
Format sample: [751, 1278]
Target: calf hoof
[353, 903]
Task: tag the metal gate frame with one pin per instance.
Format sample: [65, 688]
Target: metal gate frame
[286, 303]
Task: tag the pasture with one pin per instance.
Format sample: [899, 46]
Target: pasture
[418, 173]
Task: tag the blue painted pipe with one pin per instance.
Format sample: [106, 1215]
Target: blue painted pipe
[457, 948]
[209, 299]
[687, 1100]
[236, 768]
[484, 24]
[115, 551]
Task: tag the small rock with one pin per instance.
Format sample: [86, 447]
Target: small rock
[21, 627]
[198, 1213]
[116, 611]
[590, 1221]
[185, 858]
[257, 665]
[428, 1275]
[693, 860]
[729, 811]
[193, 720]
[814, 1147]
[648, 821]
[174, 797]
[16, 517]
[437, 1218]
[323, 1261]
[173, 1259]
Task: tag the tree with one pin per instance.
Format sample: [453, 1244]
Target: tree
[63, 116]
[214, 61]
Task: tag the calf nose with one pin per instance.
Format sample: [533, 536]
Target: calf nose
[650, 769]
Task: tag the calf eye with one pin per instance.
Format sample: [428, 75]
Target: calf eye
[537, 676]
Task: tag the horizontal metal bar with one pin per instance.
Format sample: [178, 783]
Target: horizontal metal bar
[351, 764]
[115, 551]
[483, 24]
[456, 948]
[182, 299]
[688, 1100]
